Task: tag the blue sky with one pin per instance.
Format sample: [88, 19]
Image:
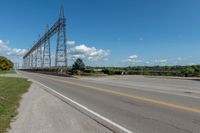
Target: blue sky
[108, 32]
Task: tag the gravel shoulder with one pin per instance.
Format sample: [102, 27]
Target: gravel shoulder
[41, 112]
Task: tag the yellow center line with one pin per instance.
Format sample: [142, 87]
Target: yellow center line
[131, 96]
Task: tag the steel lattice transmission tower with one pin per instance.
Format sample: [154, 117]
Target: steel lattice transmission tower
[39, 56]
[46, 53]
[61, 48]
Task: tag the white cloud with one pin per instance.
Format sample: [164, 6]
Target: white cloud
[88, 53]
[160, 62]
[148, 62]
[3, 46]
[179, 59]
[192, 64]
[133, 59]
[6, 50]
[105, 59]
[71, 42]
[133, 56]
[163, 61]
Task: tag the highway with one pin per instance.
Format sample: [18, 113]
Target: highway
[135, 104]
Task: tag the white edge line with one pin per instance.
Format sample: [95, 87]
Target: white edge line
[87, 109]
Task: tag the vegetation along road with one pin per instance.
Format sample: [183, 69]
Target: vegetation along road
[11, 90]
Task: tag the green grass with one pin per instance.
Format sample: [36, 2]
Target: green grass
[11, 90]
[7, 71]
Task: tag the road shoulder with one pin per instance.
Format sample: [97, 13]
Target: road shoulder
[40, 111]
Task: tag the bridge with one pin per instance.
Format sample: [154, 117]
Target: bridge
[38, 57]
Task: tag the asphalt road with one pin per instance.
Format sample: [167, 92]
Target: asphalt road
[138, 104]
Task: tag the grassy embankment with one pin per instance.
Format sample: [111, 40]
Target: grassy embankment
[11, 90]
[7, 71]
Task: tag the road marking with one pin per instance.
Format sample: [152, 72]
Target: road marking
[131, 96]
[87, 109]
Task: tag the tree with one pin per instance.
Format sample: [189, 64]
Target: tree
[78, 65]
[5, 64]
[189, 71]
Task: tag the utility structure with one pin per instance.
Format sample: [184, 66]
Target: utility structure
[39, 55]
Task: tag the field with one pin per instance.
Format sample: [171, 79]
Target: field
[11, 90]
[8, 71]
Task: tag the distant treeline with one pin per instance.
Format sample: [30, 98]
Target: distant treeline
[5, 64]
[182, 71]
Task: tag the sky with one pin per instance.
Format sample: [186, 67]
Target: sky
[107, 32]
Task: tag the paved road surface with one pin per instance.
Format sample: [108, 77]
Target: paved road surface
[140, 105]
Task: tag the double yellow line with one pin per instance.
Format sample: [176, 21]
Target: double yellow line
[130, 96]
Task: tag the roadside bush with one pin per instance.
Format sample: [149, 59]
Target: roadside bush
[118, 72]
[89, 71]
[109, 71]
[132, 72]
[5, 64]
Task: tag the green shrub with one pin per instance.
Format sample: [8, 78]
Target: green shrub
[5, 64]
